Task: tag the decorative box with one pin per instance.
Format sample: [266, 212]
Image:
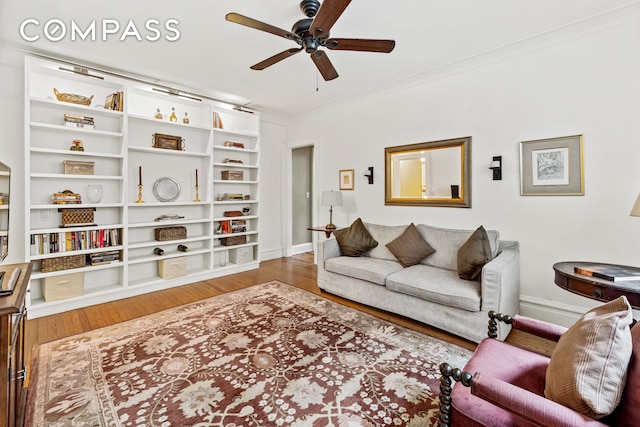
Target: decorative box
[63, 287]
[73, 167]
[171, 268]
[168, 142]
[77, 217]
[170, 233]
[232, 175]
[233, 240]
[63, 263]
[241, 255]
[232, 213]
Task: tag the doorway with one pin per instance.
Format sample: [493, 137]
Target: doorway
[302, 199]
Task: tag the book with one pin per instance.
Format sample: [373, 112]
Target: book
[613, 273]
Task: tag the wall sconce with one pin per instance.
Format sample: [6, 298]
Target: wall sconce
[496, 167]
[370, 175]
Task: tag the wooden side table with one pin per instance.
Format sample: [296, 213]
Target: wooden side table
[594, 287]
[327, 231]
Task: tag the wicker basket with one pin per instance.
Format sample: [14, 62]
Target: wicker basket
[63, 263]
[74, 99]
[76, 217]
[170, 233]
[233, 240]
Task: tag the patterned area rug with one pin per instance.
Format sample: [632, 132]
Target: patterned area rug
[268, 355]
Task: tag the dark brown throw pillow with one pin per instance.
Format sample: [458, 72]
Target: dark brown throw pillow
[355, 239]
[410, 247]
[474, 254]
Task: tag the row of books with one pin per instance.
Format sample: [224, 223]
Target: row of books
[73, 120]
[233, 226]
[234, 144]
[67, 241]
[114, 101]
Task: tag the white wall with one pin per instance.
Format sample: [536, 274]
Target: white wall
[586, 82]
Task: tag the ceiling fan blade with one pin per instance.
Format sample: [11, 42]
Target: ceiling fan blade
[327, 15]
[275, 58]
[363, 45]
[258, 25]
[324, 65]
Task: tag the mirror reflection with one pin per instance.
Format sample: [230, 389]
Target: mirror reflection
[429, 174]
[4, 210]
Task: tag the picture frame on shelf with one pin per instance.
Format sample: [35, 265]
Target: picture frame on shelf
[168, 142]
[346, 179]
[552, 167]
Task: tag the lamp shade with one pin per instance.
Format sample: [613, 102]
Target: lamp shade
[331, 198]
[635, 211]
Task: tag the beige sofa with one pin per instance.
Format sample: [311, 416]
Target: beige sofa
[430, 291]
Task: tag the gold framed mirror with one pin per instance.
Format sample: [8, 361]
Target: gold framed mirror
[436, 173]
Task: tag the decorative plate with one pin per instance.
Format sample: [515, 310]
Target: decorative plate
[166, 189]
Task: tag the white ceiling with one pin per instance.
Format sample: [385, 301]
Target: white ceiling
[213, 56]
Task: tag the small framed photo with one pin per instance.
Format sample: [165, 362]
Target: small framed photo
[346, 179]
[552, 167]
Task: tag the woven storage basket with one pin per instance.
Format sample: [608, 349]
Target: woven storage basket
[72, 98]
[63, 263]
[233, 240]
[77, 216]
[170, 233]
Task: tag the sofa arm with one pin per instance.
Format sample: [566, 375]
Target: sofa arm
[327, 249]
[500, 280]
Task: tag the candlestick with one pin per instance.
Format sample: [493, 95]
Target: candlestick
[196, 177]
[139, 175]
[140, 194]
[197, 199]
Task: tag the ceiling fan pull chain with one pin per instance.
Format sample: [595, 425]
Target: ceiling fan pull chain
[317, 90]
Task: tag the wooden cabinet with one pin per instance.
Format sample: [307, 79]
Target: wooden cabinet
[12, 367]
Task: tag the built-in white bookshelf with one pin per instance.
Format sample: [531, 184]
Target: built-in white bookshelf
[120, 147]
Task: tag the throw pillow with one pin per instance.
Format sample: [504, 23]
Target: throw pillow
[588, 367]
[355, 239]
[474, 254]
[628, 411]
[410, 247]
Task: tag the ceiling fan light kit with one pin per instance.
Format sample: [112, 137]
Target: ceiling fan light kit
[312, 33]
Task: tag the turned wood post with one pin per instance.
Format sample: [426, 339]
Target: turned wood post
[449, 373]
[493, 325]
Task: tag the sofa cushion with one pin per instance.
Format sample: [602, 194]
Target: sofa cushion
[446, 242]
[588, 366]
[438, 285]
[365, 268]
[410, 248]
[355, 239]
[628, 411]
[383, 234]
[474, 254]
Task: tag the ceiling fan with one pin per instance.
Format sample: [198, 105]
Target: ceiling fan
[312, 33]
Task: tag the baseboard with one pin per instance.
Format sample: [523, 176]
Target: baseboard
[300, 249]
[271, 254]
[550, 311]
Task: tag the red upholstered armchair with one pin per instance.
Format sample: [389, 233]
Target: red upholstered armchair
[503, 385]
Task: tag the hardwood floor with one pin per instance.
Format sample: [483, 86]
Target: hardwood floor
[298, 270]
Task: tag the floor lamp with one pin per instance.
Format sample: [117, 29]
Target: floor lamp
[331, 199]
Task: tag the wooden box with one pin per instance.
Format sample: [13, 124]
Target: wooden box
[170, 233]
[77, 217]
[73, 167]
[232, 175]
[63, 287]
[241, 255]
[168, 142]
[171, 268]
[233, 240]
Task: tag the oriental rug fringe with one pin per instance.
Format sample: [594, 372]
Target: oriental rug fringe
[268, 355]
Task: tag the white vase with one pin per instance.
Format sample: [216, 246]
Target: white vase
[94, 193]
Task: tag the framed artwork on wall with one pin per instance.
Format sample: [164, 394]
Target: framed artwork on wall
[552, 167]
[346, 179]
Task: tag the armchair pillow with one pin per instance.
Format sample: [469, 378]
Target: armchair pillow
[588, 368]
[410, 247]
[474, 254]
[355, 239]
